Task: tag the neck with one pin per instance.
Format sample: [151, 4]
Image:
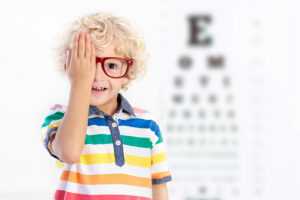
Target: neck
[110, 108]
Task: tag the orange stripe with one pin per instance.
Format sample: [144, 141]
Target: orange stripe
[105, 179]
[160, 175]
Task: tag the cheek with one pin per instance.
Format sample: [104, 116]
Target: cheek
[116, 84]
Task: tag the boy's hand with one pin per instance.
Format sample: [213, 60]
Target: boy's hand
[80, 63]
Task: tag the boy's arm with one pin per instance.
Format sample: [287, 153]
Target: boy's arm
[69, 139]
[160, 191]
[68, 142]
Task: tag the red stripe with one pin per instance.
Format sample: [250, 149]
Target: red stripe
[137, 110]
[63, 195]
[56, 106]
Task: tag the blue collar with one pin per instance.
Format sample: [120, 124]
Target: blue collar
[124, 104]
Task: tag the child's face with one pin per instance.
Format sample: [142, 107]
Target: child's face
[106, 100]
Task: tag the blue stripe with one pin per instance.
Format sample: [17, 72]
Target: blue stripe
[47, 140]
[99, 121]
[141, 123]
[162, 180]
[136, 123]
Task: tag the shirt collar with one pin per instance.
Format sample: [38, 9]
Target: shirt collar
[124, 105]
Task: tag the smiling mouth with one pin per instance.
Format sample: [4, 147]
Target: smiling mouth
[99, 88]
[98, 91]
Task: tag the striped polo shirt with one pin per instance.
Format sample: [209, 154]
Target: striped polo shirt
[122, 157]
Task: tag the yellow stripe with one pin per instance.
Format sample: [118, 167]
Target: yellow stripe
[59, 164]
[157, 158]
[45, 133]
[97, 158]
[50, 148]
[101, 158]
[53, 125]
[137, 161]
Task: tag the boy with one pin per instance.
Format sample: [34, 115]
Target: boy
[104, 148]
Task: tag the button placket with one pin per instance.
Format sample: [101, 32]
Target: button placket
[116, 138]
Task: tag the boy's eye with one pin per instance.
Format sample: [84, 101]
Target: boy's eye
[112, 66]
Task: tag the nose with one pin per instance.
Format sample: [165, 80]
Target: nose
[99, 74]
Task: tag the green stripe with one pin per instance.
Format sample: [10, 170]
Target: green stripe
[159, 140]
[127, 140]
[98, 139]
[136, 141]
[52, 117]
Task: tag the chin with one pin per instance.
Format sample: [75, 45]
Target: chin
[97, 102]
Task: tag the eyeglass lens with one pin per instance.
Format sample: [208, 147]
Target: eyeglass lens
[115, 67]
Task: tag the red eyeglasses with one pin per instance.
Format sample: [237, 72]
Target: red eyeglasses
[114, 67]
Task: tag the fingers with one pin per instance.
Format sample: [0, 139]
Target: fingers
[93, 56]
[87, 46]
[81, 45]
[82, 48]
[75, 47]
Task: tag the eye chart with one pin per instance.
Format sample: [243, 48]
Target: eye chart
[226, 83]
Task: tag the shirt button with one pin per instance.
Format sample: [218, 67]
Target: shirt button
[114, 124]
[118, 142]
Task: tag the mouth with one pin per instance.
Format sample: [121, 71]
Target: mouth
[98, 89]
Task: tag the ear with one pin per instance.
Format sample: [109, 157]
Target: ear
[125, 80]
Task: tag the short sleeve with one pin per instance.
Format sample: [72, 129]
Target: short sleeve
[160, 171]
[51, 122]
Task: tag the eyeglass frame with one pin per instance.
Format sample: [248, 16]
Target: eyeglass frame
[102, 60]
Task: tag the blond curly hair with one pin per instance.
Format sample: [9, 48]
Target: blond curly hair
[105, 28]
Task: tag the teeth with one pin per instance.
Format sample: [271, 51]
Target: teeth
[101, 88]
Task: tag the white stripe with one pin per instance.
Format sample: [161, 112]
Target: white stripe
[160, 167]
[124, 116]
[116, 189]
[153, 138]
[108, 148]
[110, 168]
[137, 151]
[124, 130]
[95, 130]
[97, 148]
[158, 148]
[135, 132]
[50, 111]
